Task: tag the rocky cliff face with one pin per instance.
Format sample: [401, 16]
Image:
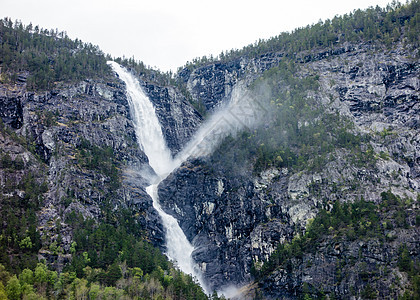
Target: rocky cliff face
[230, 221]
[178, 118]
[84, 139]
[212, 84]
[10, 108]
[345, 269]
[86, 143]
[235, 221]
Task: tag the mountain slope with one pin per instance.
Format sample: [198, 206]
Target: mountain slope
[342, 125]
[70, 173]
[320, 200]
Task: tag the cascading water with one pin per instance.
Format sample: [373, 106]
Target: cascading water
[150, 137]
[241, 111]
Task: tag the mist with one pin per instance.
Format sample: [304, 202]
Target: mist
[242, 111]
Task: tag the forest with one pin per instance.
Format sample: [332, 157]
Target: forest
[382, 26]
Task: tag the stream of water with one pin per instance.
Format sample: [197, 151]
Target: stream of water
[151, 140]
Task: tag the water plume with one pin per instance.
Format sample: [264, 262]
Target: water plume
[243, 110]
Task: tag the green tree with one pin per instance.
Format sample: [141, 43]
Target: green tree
[41, 273]
[94, 291]
[113, 274]
[4, 275]
[13, 288]
[3, 295]
[27, 276]
[26, 243]
[404, 260]
[80, 288]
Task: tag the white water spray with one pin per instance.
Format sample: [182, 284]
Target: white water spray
[148, 129]
[242, 111]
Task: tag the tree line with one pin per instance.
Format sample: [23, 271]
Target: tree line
[395, 22]
[43, 57]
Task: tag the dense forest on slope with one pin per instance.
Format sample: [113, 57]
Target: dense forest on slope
[46, 57]
[375, 25]
[109, 260]
[111, 256]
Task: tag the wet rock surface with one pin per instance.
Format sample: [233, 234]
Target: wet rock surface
[213, 84]
[179, 120]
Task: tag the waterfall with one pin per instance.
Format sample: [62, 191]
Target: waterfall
[241, 111]
[150, 138]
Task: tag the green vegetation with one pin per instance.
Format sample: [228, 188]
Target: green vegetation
[133, 283]
[21, 197]
[113, 259]
[110, 260]
[410, 265]
[114, 253]
[347, 222]
[383, 26]
[47, 118]
[19, 239]
[49, 56]
[299, 135]
[140, 69]
[100, 159]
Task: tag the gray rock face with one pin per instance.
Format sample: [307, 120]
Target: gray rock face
[11, 107]
[213, 84]
[343, 269]
[57, 123]
[234, 222]
[379, 91]
[230, 221]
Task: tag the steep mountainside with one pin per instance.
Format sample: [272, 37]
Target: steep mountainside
[345, 129]
[236, 218]
[321, 200]
[71, 170]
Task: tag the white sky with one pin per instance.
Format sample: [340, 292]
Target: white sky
[166, 34]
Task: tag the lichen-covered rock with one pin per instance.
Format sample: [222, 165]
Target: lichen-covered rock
[231, 222]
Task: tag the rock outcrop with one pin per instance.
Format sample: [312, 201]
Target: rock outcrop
[178, 118]
[237, 221]
[212, 84]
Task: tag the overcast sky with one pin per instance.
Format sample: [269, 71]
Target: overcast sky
[165, 34]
